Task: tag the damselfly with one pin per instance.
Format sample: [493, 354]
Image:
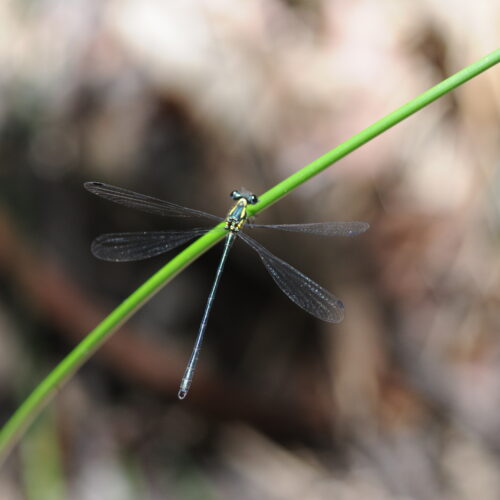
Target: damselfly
[123, 247]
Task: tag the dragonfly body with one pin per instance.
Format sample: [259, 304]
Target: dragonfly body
[302, 290]
[187, 378]
[235, 220]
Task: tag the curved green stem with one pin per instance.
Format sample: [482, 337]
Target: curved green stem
[19, 421]
[369, 133]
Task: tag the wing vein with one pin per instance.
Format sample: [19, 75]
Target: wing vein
[299, 288]
[144, 203]
[336, 228]
[126, 247]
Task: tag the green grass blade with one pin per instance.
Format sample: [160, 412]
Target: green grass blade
[369, 133]
[14, 428]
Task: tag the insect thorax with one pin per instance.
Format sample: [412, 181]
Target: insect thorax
[237, 216]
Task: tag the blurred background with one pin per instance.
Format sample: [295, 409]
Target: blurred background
[187, 100]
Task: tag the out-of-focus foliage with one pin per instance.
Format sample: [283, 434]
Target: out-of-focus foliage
[187, 100]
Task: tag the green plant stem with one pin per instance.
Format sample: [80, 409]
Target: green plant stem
[28, 410]
[369, 133]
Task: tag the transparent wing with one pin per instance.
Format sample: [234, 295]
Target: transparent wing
[320, 228]
[144, 203]
[126, 247]
[298, 287]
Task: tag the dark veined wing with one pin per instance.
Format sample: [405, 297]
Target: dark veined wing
[126, 247]
[144, 203]
[298, 287]
[320, 228]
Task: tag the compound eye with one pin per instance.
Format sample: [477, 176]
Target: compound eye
[253, 200]
[234, 195]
